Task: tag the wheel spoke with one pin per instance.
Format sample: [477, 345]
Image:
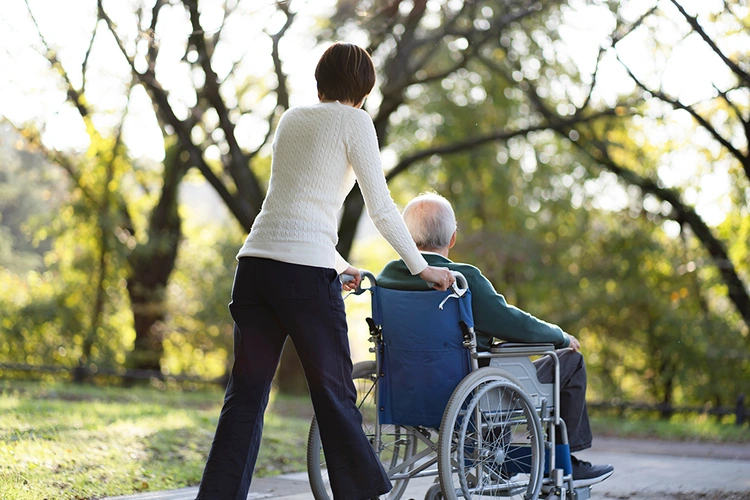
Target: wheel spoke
[496, 441]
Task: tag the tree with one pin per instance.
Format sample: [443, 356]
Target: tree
[150, 250]
[607, 144]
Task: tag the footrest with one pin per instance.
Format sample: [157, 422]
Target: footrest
[583, 493]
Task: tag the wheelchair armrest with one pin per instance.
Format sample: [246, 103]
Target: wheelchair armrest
[521, 348]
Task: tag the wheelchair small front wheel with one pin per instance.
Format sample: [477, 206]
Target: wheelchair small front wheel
[434, 493]
[491, 441]
[396, 444]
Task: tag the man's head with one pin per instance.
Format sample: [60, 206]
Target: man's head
[431, 222]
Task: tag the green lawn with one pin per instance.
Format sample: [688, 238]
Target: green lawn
[700, 428]
[61, 441]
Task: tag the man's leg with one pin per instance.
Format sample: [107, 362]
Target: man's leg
[573, 411]
[572, 395]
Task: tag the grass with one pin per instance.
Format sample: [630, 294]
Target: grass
[61, 441]
[696, 428]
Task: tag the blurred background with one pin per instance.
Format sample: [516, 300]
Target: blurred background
[596, 153]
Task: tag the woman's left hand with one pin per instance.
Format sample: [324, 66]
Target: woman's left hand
[353, 284]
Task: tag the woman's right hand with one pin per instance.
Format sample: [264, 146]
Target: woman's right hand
[440, 277]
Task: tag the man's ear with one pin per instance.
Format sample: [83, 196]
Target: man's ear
[453, 240]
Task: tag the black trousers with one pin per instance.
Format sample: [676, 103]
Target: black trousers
[270, 301]
[572, 395]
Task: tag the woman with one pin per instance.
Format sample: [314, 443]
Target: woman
[287, 283]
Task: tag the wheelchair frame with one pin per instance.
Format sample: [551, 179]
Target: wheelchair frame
[436, 458]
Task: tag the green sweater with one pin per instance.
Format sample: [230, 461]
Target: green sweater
[493, 316]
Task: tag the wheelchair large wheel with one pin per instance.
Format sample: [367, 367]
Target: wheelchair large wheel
[491, 441]
[396, 443]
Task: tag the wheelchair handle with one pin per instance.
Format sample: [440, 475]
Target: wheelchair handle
[345, 278]
[459, 287]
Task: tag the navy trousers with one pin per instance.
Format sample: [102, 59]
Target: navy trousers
[572, 395]
[270, 301]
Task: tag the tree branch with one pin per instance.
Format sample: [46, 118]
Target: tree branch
[499, 136]
[241, 208]
[282, 90]
[153, 47]
[118, 41]
[84, 64]
[247, 184]
[593, 82]
[676, 103]
[73, 94]
[681, 213]
[731, 104]
[618, 38]
[33, 138]
[693, 21]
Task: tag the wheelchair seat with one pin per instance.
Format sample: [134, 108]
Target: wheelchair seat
[522, 368]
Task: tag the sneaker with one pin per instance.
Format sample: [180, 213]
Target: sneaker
[586, 474]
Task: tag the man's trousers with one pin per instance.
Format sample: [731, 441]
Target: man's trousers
[270, 301]
[572, 395]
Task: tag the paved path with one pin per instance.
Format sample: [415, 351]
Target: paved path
[644, 470]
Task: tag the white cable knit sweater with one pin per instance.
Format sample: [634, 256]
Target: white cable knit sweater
[317, 152]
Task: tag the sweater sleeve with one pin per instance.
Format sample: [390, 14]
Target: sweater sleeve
[494, 316]
[364, 157]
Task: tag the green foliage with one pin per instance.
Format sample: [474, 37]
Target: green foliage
[575, 247]
[571, 243]
[26, 190]
[49, 316]
[198, 325]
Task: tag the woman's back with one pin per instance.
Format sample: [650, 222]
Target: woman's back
[310, 177]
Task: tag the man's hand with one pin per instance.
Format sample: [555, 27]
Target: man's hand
[353, 284]
[574, 344]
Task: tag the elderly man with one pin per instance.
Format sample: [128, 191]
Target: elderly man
[432, 224]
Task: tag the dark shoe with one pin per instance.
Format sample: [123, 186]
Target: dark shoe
[585, 474]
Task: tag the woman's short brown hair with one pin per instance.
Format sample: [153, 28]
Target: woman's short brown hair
[345, 73]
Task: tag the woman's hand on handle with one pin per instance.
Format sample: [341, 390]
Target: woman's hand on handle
[439, 277]
[354, 283]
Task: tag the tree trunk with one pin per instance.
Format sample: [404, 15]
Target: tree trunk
[353, 206]
[666, 409]
[151, 266]
[147, 304]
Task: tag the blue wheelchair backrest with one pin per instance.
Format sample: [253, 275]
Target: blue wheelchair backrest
[422, 354]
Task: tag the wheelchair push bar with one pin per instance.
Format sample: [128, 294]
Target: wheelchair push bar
[459, 287]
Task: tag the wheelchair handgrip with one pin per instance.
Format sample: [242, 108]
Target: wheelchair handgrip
[345, 278]
[461, 281]
[459, 287]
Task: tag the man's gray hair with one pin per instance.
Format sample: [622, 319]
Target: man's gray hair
[430, 220]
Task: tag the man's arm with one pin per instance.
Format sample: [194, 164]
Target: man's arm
[494, 316]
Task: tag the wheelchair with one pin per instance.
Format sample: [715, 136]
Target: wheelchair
[428, 408]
